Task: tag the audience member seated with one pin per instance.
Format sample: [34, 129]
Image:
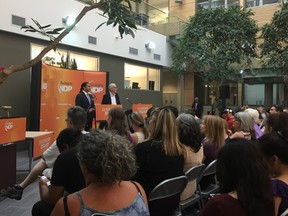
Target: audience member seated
[275, 109]
[274, 148]
[141, 132]
[229, 117]
[189, 135]
[148, 115]
[214, 129]
[192, 112]
[243, 124]
[244, 182]
[254, 114]
[66, 174]
[106, 163]
[276, 122]
[116, 123]
[76, 118]
[161, 156]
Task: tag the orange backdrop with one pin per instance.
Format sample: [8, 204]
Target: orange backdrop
[59, 88]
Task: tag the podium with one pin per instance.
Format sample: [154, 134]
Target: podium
[141, 108]
[102, 111]
[11, 131]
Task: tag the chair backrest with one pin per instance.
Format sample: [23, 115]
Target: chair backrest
[285, 213]
[210, 169]
[168, 188]
[195, 173]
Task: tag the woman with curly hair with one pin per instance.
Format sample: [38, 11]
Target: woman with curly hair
[106, 163]
[189, 135]
[245, 185]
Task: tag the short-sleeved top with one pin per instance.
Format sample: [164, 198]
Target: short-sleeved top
[210, 152]
[192, 159]
[154, 165]
[140, 136]
[67, 172]
[280, 189]
[223, 205]
[50, 155]
[136, 208]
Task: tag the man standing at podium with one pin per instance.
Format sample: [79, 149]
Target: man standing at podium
[85, 100]
[111, 97]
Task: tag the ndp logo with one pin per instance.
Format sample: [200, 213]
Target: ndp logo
[64, 87]
[8, 126]
[97, 89]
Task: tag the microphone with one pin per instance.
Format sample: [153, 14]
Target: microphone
[92, 94]
[129, 100]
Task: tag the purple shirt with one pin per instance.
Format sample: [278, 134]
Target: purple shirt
[280, 189]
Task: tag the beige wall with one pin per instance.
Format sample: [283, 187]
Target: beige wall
[183, 10]
[188, 89]
[264, 13]
[170, 82]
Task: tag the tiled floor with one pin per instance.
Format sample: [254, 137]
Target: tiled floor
[10, 207]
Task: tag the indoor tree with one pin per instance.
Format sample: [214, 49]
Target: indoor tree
[274, 48]
[215, 43]
[118, 12]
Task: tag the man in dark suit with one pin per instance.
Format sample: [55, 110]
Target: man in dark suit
[111, 97]
[85, 100]
[197, 107]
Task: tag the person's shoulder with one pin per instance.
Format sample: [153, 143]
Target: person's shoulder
[68, 154]
[279, 186]
[225, 201]
[143, 145]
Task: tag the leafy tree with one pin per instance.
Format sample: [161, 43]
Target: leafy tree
[275, 45]
[215, 42]
[118, 13]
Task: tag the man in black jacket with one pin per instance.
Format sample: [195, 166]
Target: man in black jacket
[85, 100]
[111, 97]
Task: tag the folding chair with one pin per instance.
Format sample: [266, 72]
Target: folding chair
[194, 174]
[165, 197]
[212, 186]
[285, 213]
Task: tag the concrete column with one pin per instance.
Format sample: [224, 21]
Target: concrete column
[240, 94]
[268, 100]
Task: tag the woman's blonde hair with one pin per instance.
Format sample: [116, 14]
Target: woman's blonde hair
[137, 119]
[166, 131]
[215, 129]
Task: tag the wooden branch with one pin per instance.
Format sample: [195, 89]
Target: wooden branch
[6, 72]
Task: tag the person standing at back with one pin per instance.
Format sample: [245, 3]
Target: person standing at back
[197, 107]
[85, 100]
[111, 97]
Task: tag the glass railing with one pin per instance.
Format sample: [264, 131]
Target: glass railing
[153, 18]
[255, 3]
[204, 4]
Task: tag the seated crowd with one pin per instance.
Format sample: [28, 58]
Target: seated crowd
[112, 172]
